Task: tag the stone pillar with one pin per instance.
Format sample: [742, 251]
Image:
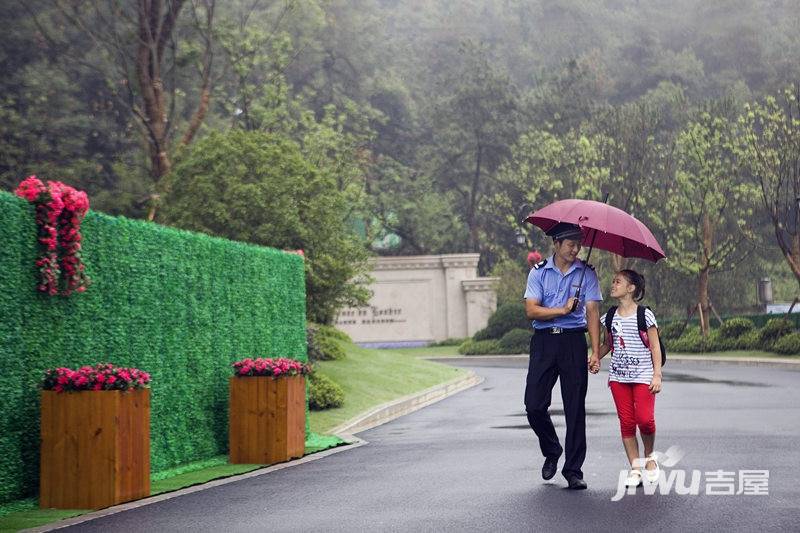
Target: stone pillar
[481, 302]
[458, 268]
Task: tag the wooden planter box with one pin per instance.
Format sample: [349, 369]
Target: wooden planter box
[95, 448]
[267, 419]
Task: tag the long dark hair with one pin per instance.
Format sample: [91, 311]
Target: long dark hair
[637, 280]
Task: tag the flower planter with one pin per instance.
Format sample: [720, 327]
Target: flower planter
[267, 419]
[95, 449]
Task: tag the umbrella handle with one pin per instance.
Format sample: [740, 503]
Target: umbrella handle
[577, 300]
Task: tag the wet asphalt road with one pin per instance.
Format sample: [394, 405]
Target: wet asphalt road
[471, 462]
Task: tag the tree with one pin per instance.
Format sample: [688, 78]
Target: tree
[634, 145]
[709, 202]
[140, 53]
[257, 187]
[770, 133]
[543, 167]
[476, 120]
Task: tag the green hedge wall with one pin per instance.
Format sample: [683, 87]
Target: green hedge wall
[179, 305]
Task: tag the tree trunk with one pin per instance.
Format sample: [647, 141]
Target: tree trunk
[472, 224]
[702, 286]
[702, 297]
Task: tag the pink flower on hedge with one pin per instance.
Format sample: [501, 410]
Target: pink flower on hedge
[30, 188]
[59, 211]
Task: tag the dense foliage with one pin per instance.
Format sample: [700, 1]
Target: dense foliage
[433, 121]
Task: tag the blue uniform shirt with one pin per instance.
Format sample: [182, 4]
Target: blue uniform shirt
[551, 288]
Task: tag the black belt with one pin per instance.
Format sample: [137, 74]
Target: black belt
[559, 331]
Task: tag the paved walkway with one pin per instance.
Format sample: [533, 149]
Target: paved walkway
[471, 463]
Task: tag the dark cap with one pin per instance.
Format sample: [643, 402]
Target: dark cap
[565, 230]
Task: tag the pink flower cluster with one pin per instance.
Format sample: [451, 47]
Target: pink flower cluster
[270, 367]
[104, 376]
[59, 212]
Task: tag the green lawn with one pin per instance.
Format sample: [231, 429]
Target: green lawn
[372, 377]
[429, 351]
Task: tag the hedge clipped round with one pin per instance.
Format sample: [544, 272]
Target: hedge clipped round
[672, 330]
[774, 329]
[487, 347]
[750, 340]
[323, 392]
[691, 341]
[788, 344]
[507, 317]
[516, 341]
[736, 327]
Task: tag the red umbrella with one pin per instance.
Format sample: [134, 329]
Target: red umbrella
[605, 227]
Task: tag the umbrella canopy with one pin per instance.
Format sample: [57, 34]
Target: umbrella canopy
[606, 227]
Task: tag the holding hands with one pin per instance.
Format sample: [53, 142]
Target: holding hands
[594, 364]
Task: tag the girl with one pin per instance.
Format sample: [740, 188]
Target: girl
[634, 375]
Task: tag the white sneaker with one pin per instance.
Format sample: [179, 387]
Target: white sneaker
[652, 475]
[634, 478]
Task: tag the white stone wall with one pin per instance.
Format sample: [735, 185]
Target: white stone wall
[422, 299]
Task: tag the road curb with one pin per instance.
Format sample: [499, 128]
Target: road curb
[405, 405]
[785, 363]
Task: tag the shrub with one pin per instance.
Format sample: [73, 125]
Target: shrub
[330, 331]
[671, 330]
[487, 347]
[481, 335]
[788, 344]
[736, 327]
[323, 343]
[718, 342]
[691, 341]
[774, 329]
[323, 392]
[749, 341]
[516, 341]
[507, 317]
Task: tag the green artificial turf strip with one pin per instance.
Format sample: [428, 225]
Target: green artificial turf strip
[372, 377]
[187, 479]
[35, 517]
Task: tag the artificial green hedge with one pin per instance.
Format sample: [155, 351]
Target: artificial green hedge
[179, 305]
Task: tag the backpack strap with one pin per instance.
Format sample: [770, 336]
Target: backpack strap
[609, 319]
[641, 323]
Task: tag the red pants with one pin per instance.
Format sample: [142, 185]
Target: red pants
[635, 407]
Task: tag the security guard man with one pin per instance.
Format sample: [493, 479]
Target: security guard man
[558, 349]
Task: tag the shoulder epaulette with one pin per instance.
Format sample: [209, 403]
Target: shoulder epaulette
[540, 264]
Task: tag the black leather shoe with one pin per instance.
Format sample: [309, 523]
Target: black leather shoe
[576, 483]
[550, 467]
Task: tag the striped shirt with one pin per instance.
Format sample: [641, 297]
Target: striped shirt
[631, 360]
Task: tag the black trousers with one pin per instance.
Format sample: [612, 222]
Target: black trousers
[552, 357]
